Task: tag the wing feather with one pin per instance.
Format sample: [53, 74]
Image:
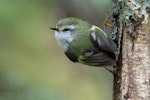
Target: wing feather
[102, 54]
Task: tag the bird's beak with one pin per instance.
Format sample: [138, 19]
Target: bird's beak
[55, 29]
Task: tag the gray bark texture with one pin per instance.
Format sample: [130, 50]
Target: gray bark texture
[132, 25]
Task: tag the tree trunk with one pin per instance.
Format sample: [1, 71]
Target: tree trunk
[132, 26]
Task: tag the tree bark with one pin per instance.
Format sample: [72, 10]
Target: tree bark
[132, 80]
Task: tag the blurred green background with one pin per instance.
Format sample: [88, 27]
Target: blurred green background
[32, 66]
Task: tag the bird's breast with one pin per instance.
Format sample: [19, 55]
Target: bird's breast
[63, 39]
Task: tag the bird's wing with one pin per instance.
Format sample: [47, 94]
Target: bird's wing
[101, 40]
[102, 53]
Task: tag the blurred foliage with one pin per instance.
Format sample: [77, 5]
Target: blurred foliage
[32, 67]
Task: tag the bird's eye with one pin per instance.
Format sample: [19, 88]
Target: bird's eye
[66, 29]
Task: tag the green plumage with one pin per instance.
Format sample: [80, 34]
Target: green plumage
[90, 45]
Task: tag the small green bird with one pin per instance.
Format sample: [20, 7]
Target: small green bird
[85, 43]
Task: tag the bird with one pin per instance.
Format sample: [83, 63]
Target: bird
[85, 43]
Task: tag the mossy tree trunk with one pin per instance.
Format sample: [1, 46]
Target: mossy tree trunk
[131, 21]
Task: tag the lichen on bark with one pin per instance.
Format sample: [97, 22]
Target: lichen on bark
[131, 29]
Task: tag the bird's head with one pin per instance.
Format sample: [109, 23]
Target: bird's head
[67, 28]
